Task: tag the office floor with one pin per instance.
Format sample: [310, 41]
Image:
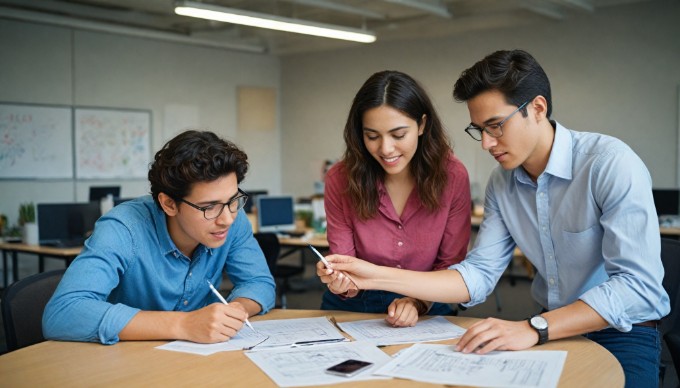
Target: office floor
[514, 300]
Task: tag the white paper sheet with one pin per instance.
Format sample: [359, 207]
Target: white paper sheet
[440, 364]
[244, 339]
[378, 332]
[272, 333]
[304, 366]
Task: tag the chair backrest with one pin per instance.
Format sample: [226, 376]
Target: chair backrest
[269, 243]
[670, 257]
[23, 303]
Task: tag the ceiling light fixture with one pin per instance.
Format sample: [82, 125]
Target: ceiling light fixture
[64, 21]
[273, 22]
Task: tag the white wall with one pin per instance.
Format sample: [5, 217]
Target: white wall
[616, 71]
[54, 65]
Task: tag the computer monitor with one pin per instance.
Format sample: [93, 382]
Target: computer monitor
[66, 224]
[666, 201]
[252, 197]
[99, 192]
[275, 213]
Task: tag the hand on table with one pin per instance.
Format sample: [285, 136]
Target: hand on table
[403, 312]
[497, 334]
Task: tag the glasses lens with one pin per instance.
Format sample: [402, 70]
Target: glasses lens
[238, 203]
[474, 132]
[214, 211]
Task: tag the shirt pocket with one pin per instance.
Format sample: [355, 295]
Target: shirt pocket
[579, 250]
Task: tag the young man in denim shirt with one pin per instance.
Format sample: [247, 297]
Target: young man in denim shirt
[143, 273]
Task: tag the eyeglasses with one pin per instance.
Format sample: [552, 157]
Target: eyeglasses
[213, 211]
[493, 130]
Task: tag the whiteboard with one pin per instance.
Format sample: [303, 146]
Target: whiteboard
[35, 141]
[112, 143]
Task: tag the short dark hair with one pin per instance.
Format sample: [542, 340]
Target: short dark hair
[429, 164]
[516, 74]
[191, 157]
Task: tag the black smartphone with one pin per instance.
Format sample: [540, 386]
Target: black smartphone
[348, 368]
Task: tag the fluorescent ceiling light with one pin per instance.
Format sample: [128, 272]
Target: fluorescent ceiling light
[65, 21]
[273, 22]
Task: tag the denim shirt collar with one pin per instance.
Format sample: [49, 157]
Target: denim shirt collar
[166, 245]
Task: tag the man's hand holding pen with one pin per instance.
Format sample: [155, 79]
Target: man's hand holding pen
[214, 323]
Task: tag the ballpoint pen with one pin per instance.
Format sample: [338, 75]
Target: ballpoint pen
[325, 262]
[212, 288]
[320, 256]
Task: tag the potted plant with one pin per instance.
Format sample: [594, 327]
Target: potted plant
[28, 224]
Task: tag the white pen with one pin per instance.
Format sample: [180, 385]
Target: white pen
[326, 263]
[320, 256]
[225, 302]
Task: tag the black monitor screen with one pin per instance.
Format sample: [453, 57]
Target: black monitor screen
[275, 213]
[99, 192]
[66, 221]
[666, 201]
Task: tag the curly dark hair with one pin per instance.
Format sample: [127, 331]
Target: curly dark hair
[191, 157]
[429, 164]
[516, 74]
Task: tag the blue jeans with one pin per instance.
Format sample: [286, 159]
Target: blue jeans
[374, 302]
[638, 351]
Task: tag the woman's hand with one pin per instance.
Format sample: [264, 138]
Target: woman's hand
[346, 274]
[404, 312]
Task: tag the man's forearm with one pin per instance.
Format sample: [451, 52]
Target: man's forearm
[154, 325]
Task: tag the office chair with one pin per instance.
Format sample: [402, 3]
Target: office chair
[23, 303]
[670, 325]
[269, 243]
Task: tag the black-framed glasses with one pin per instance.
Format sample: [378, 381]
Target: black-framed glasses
[214, 210]
[493, 130]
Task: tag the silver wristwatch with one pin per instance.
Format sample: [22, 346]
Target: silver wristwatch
[540, 324]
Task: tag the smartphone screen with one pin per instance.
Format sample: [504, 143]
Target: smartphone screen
[348, 368]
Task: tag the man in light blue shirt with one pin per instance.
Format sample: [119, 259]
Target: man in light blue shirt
[143, 273]
[579, 205]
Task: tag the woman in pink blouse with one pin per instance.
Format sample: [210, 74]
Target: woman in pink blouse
[398, 198]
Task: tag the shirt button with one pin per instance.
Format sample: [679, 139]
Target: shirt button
[552, 281]
[186, 302]
[400, 243]
[398, 266]
[399, 227]
[190, 273]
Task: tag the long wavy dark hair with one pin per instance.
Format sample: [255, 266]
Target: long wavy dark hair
[429, 164]
[192, 157]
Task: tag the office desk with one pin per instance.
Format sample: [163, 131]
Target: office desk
[137, 363]
[318, 241]
[670, 232]
[68, 254]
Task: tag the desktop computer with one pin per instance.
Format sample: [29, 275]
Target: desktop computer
[275, 213]
[666, 201]
[99, 192]
[66, 224]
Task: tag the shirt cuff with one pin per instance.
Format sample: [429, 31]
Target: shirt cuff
[113, 322]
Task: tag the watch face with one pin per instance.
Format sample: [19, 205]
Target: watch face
[539, 322]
